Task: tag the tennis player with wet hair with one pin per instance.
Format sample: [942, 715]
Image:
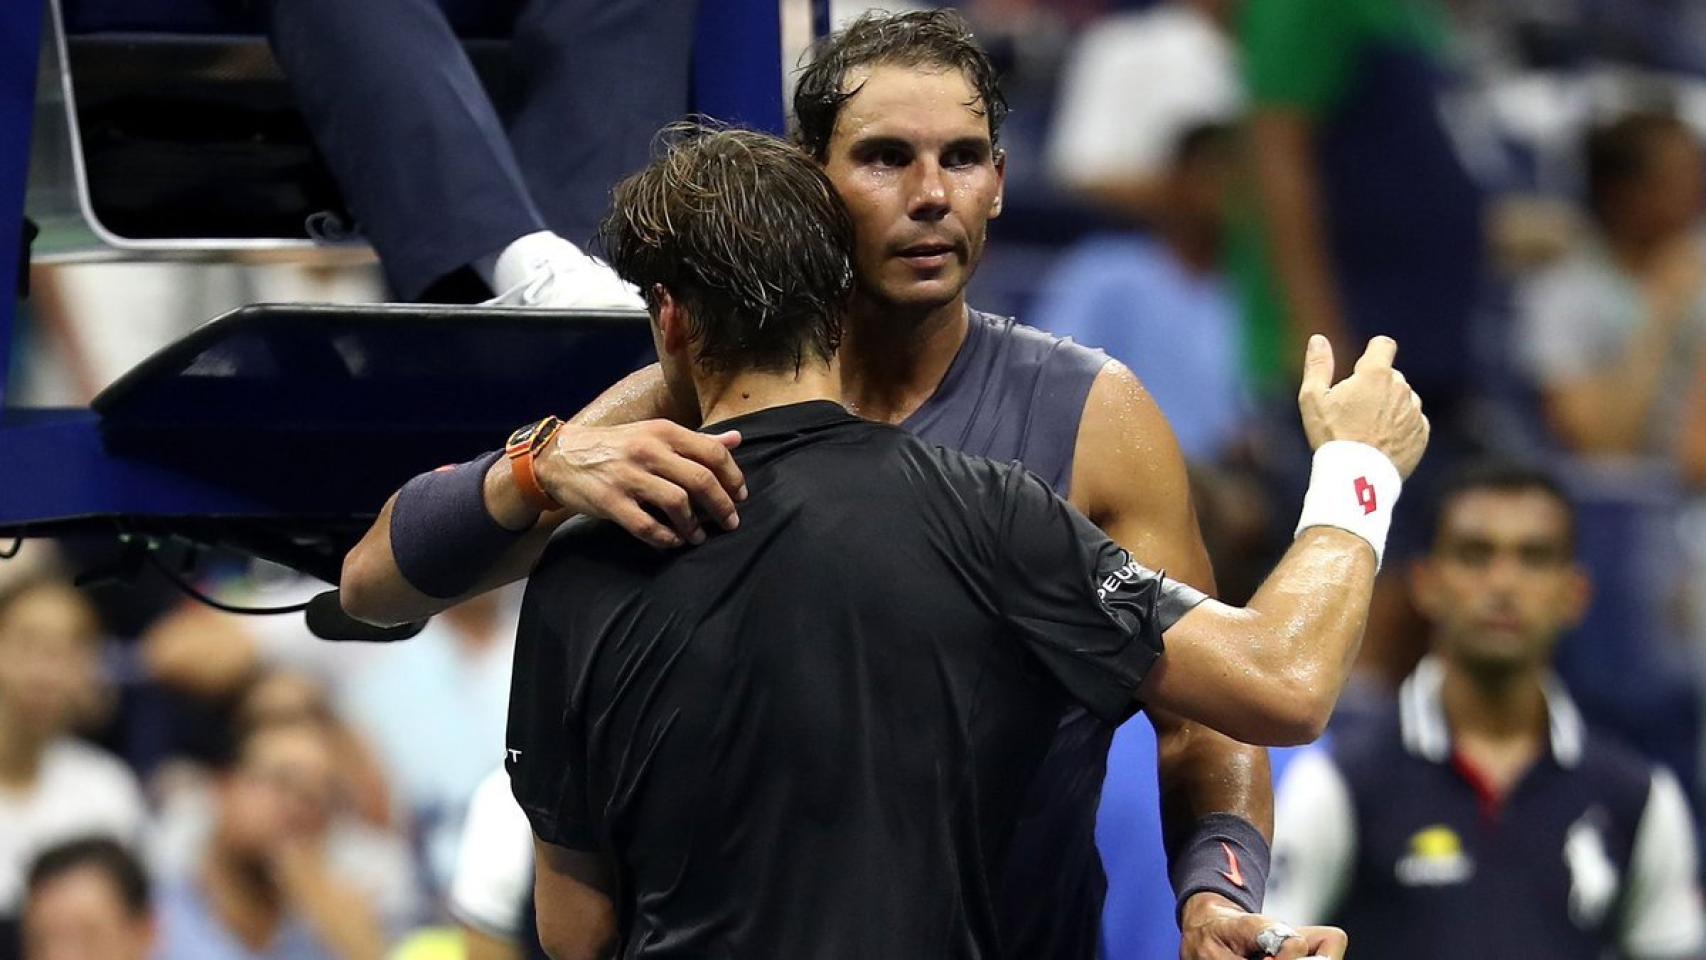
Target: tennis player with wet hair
[812, 735]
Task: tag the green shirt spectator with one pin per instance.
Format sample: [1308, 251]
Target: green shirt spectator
[1358, 177]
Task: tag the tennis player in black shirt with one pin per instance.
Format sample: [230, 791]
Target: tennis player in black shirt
[811, 736]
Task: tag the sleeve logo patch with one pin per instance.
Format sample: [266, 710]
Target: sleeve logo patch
[1365, 496]
[1119, 578]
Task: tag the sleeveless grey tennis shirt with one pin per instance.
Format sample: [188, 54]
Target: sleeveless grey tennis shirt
[1012, 393]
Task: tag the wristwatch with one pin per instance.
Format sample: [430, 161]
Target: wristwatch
[524, 445]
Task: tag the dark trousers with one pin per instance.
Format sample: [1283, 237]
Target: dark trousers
[438, 176]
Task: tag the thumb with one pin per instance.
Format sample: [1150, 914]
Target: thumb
[1317, 366]
[730, 439]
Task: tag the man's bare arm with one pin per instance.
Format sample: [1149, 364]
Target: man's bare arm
[571, 895]
[1129, 478]
[1271, 672]
[614, 459]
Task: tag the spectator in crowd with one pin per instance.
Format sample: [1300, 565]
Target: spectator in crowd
[439, 181]
[53, 787]
[1159, 303]
[1134, 85]
[448, 687]
[88, 899]
[263, 887]
[1447, 820]
[492, 893]
[1613, 334]
[1368, 219]
[362, 845]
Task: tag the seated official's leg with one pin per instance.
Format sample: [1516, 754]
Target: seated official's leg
[595, 81]
[409, 132]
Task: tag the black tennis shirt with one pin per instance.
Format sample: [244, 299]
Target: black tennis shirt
[812, 736]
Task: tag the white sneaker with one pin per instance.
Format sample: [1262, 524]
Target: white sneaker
[570, 280]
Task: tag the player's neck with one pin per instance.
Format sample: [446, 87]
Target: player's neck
[732, 395]
[1507, 706]
[892, 361]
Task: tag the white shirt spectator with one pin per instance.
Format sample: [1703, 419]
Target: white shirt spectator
[1577, 320]
[494, 870]
[1134, 84]
[435, 711]
[80, 791]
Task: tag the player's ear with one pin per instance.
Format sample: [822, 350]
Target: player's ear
[1000, 182]
[671, 321]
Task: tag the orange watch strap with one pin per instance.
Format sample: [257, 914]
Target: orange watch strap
[521, 465]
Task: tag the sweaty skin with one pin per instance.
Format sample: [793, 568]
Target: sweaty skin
[912, 158]
[1128, 477]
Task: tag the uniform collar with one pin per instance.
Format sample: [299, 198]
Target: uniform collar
[1421, 716]
[790, 418]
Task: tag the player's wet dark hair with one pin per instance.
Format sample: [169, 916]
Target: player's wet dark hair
[117, 864]
[929, 39]
[1619, 153]
[1505, 476]
[748, 235]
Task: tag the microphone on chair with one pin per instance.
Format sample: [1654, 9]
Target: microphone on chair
[327, 620]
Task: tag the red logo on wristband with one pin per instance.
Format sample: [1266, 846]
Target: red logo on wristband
[1235, 875]
[1365, 496]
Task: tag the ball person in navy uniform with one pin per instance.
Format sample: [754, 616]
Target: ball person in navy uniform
[1479, 819]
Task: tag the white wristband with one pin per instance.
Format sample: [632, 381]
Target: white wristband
[1352, 487]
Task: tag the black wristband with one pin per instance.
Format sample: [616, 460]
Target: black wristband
[1225, 854]
[442, 537]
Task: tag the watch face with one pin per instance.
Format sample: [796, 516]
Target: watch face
[522, 435]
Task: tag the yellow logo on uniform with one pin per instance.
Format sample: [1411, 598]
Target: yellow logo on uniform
[1436, 843]
[1436, 859]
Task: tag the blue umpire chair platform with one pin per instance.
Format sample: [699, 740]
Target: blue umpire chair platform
[279, 429]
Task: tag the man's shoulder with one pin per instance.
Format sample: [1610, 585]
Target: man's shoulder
[584, 541]
[83, 772]
[589, 564]
[1617, 768]
[1025, 346]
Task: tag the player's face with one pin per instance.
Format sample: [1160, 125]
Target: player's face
[912, 159]
[81, 916]
[1501, 582]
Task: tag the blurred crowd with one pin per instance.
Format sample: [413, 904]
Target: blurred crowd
[230, 786]
[1513, 191]
[1511, 188]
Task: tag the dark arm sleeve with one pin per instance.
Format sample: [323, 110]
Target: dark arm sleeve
[1092, 614]
[546, 742]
